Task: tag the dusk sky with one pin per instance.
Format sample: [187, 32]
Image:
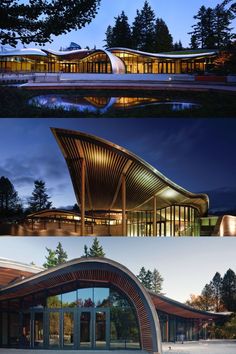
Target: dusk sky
[197, 154]
[186, 264]
[177, 14]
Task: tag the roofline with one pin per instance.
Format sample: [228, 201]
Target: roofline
[165, 55]
[185, 306]
[133, 156]
[7, 263]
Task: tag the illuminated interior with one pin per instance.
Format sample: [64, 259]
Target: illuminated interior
[117, 60]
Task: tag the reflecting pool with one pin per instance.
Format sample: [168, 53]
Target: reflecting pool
[97, 104]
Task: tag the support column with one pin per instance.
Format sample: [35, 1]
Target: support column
[82, 198]
[123, 187]
[154, 216]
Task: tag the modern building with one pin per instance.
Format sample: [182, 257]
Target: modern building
[90, 303]
[118, 193]
[111, 61]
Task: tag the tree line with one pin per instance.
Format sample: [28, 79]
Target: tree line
[211, 30]
[12, 205]
[219, 295]
[146, 33]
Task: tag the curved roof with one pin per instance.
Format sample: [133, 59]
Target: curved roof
[11, 271]
[23, 51]
[165, 304]
[100, 270]
[166, 55]
[106, 163]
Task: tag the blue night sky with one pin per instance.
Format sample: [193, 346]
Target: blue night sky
[178, 15]
[186, 264]
[197, 154]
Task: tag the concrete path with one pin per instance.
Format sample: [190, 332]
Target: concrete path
[30, 351]
[203, 347]
[129, 85]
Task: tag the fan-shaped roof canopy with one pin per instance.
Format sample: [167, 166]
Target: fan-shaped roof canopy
[106, 163]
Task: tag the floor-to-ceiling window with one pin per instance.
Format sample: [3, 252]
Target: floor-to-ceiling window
[72, 317]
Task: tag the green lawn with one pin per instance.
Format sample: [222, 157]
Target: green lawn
[14, 103]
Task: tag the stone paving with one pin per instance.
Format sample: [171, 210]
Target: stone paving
[203, 347]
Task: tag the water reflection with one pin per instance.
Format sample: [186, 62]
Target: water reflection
[96, 104]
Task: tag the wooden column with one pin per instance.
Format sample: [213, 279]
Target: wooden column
[82, 198]
[123, 187]
[154, 216]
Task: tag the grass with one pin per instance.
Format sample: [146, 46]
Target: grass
[14, 104]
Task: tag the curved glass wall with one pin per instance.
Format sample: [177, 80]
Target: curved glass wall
[71, 317]
[171, 221]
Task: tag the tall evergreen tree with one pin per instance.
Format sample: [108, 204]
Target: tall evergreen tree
[39, 199]
[212, 29]
[216, 285]
[109, 37]
[152, 280]
[55, 257]
[143, 29]
[9, 201]
[157, 281]
[120, 34]
[203, 29]
[96, 250]
[163, 38]
[207, 297]
[228, 290]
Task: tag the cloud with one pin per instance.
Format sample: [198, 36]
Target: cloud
[222, 198]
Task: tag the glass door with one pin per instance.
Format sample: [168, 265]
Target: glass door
[37, 331]
[85, 329]
[101, 328]
[68, 329]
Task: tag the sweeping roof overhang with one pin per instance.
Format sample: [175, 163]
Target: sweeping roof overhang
[11, 271]
[170, 306]
[106, 163]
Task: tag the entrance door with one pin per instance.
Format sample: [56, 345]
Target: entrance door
[93, 329]
[37, 331]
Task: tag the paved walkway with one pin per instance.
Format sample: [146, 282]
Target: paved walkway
[203, 347]
[129, 85]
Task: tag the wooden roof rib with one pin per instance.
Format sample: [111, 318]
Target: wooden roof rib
[106, 162]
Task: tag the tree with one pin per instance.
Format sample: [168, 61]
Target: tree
[120, 34]
[96, 250]
[143, 29]
[151, 280]
[10, 203]
[216, 285]
[163, 38]
[212, 29]
[39, 199]
[203, 29]
[55, 257]
[178, 46]
[109, 37]
[205, 301]
[228, 290]
[38, 20]
[157, 281]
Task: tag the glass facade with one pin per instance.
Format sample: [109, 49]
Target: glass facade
[171, 221]
[85, 317]
[99, 62]
[178, 329]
